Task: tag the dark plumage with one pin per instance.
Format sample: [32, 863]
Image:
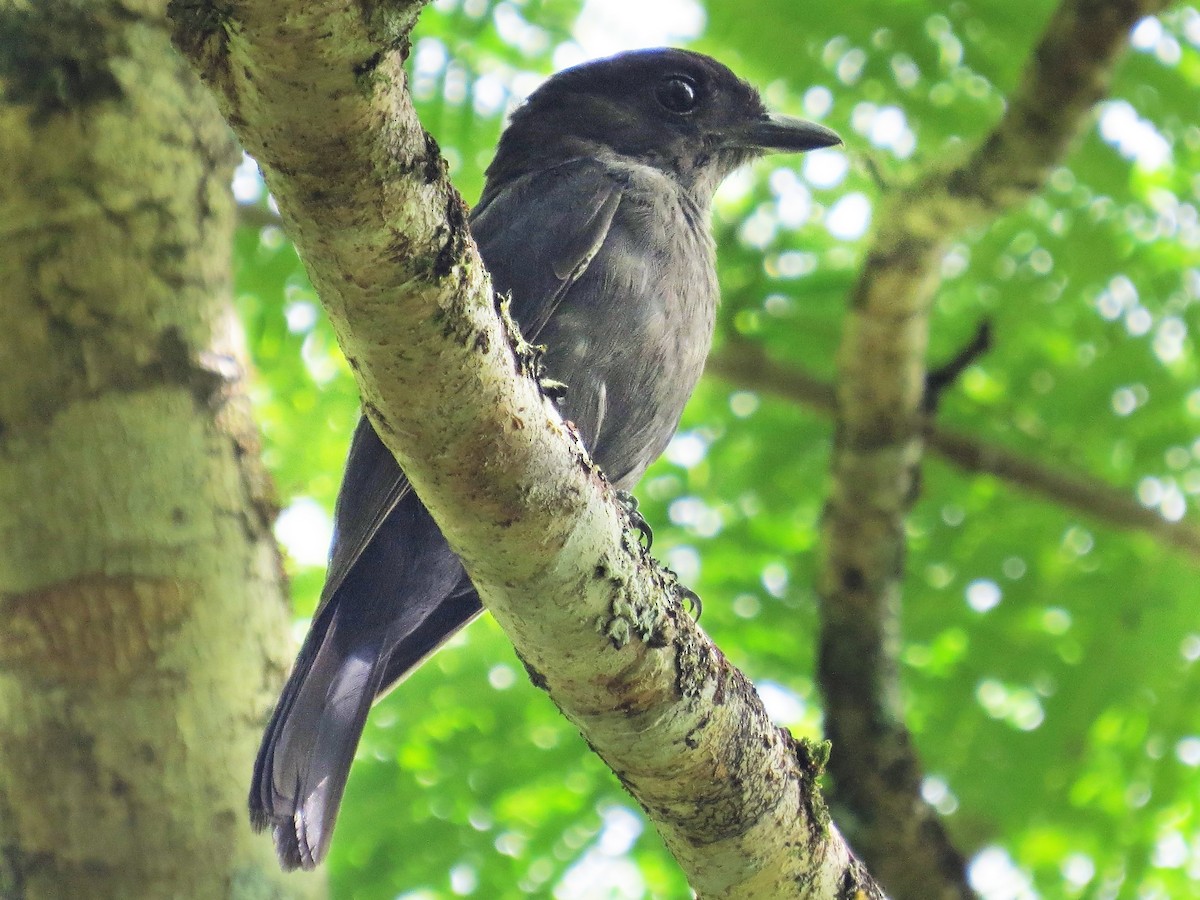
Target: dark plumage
[595, 217]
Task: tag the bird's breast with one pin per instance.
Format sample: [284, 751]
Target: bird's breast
[630, 338]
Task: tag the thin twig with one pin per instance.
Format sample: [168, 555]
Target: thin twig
[746, 366]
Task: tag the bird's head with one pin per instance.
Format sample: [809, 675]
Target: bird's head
[681, 112]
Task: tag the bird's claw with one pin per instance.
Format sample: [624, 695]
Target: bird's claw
[636, 519]
[692, 599]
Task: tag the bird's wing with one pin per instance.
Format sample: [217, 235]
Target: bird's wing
[371, 487]
[538, 233]
[394, 589]
[537, 236]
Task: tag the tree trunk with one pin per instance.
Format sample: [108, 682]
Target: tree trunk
[144, 613]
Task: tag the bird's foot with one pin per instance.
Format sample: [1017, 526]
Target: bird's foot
[636, 519]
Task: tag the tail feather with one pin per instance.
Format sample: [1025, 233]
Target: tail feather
[305, 757]
[404, 596]
[442, 624]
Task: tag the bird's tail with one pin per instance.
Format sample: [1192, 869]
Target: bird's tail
[304, 759]
[404, 596]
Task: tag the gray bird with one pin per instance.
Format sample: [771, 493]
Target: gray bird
[595, 216]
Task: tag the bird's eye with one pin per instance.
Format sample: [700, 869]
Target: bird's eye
[677, 93]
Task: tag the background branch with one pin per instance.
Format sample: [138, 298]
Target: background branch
[746, 366]
[880, 436]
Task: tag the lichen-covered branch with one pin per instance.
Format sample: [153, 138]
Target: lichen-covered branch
[880, 435]
[747, 367]
[316, 91]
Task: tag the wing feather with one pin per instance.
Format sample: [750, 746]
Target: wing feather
[537, 236]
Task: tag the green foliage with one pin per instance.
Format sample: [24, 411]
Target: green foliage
[1049, 658]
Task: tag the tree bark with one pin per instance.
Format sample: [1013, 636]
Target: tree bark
[317, 93]
[145, 625]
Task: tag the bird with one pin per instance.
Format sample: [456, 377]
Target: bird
[594, 219]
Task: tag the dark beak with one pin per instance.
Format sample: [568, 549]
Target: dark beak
[782, 134]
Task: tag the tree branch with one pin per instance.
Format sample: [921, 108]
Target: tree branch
[746, 366]
[880, 436]
[316, 91]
